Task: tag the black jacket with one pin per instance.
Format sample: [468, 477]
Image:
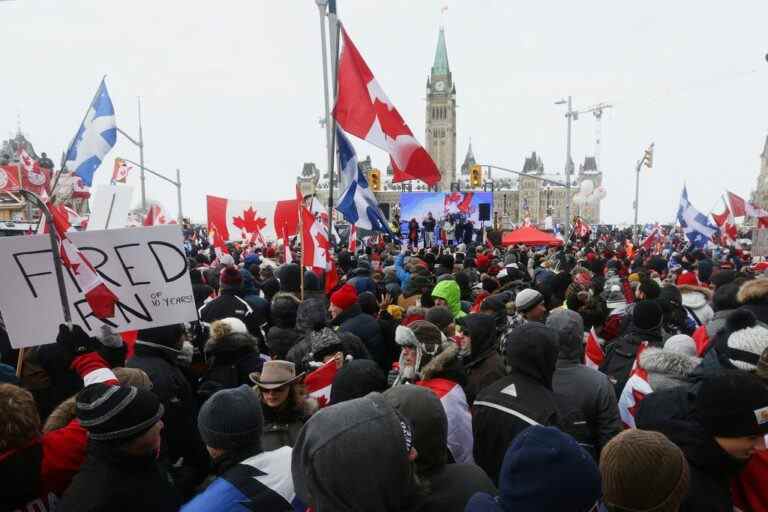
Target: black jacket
[230, 304]
[367, 328]
[510, 405]
[110, 481]
[181, 438]
[231, 359]
[484, 365]
[711, 468]
[621, 353]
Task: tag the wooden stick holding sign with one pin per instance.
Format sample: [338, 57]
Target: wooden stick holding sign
[33, 198]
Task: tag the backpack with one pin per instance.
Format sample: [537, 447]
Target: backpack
[617, 365]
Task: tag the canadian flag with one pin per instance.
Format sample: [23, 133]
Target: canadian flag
[593, 352]
[741, 208]
[33, 177]
[75, 220]
[315, 246]
[653, 237]
[635, 390]
[454, 402]
[727, 224]
[458, 202]
[216, 241]
[121, 170]
[9, 178]
[318, 383]
[79, 188]
[99, 297]
[237, 220]
[156, 216]
[363, 110]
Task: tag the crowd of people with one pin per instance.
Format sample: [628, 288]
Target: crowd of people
[452, 229]
[468, 378]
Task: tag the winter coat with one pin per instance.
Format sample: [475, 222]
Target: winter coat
[711, 468]
[402, 274]
[749, 489]
[231, 304]
[365, 327]
[621, 353]
[510, 405]
[484, 365]
[260, 481]
[444, 375]
[111, 481]
[590, 394]
[449, 485]
[754, 297]
[201, 292]
[231, 359]
[181, 438]
[696, 303]
[450, 292]
[667, 369]
[281, 428]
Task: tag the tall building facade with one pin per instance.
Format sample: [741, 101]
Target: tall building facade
[441, 116]
[760, 195]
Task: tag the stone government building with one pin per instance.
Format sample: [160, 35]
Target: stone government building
[515, 198]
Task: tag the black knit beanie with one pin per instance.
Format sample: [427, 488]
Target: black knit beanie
[231, 419]
[117, 413]
[647, 314]
[733, 403]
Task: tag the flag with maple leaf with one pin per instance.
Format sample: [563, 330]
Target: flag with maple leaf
[33, 177]
[635, 390]
[98, 295]
[237, 220]
[318, 383]
[9, 178]
[156, 216]
[593, 353]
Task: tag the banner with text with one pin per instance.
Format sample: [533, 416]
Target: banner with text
[145, 267]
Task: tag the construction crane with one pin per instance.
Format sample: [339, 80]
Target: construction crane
[597, 111]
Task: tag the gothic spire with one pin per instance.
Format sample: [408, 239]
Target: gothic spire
[440, 66]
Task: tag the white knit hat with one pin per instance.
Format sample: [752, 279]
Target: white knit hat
[746, 345]
[681, 344]
[527, 299]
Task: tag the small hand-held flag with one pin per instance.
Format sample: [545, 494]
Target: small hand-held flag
[121, 170]
[95, 137]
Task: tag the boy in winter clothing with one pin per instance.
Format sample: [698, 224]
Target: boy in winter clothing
[719, 430]
[523, 398]
[231, 425]
[447, 293]
[449, 485]
[544, 469]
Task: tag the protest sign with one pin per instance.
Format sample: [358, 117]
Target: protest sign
[145, 267]
[110, 207]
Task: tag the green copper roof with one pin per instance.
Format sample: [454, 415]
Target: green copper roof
[440, 67]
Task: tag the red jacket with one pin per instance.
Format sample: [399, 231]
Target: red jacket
[750, 491]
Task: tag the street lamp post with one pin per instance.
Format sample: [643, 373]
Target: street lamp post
[140, 144]
[176, 183]
[570, 115]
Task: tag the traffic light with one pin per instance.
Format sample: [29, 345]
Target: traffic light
[648, 157]
[475, 176]
[375, 180]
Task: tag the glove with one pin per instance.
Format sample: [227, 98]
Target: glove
[75, 342]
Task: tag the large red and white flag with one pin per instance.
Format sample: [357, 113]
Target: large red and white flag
[727, 224]
[242, 220]
[315, 246]
[653, 237]
[454, 402]
[9, 178]
[99, 297]
[216, 241]
[363, 110]
[593, 352]
[352, 246]
[318, 383]
[76, 221]
[741, 207]
[635, 390]
[120, 171]
[156, 217]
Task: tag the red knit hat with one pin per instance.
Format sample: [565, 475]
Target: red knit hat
[688, 278]
[230, 276]
[344, 297]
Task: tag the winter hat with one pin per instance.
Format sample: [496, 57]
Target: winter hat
[275, 374]
[227, 260]
[133, 377]
[539, 461]
[614, 297]
[289, 276]
[166, 335]
[345, 297]
[532, 350]
[647, 314]
[441, 316]
[643, 471]
[311, 315]
[117, 413]
[324, 343]
[570, 327]
[368, 303]
[284, 309]
[231, 419]
[225, 326]
[688, 278]
[681, 344]
[746, 345]
[733, 403]
[723, 277]
[429, 336]
[230, 278]
[356, 379]
[528, 299]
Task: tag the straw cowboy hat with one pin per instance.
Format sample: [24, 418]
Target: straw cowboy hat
[275, 374]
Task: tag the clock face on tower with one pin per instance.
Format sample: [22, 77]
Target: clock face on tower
[439, 86]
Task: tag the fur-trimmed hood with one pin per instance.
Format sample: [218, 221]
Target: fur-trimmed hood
[445, 360]
[667, 369]
[753, 291]
[695, 297]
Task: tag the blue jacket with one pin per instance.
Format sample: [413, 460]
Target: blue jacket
[261, 482]
[403, 275]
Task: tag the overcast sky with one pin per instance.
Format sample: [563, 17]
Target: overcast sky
[232, 90]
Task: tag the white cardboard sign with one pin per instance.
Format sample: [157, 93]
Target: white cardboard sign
[110, 207]
[145, 267]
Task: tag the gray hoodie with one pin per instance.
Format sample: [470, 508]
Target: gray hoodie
[352, 456]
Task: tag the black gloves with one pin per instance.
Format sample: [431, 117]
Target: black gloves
[75, 342]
